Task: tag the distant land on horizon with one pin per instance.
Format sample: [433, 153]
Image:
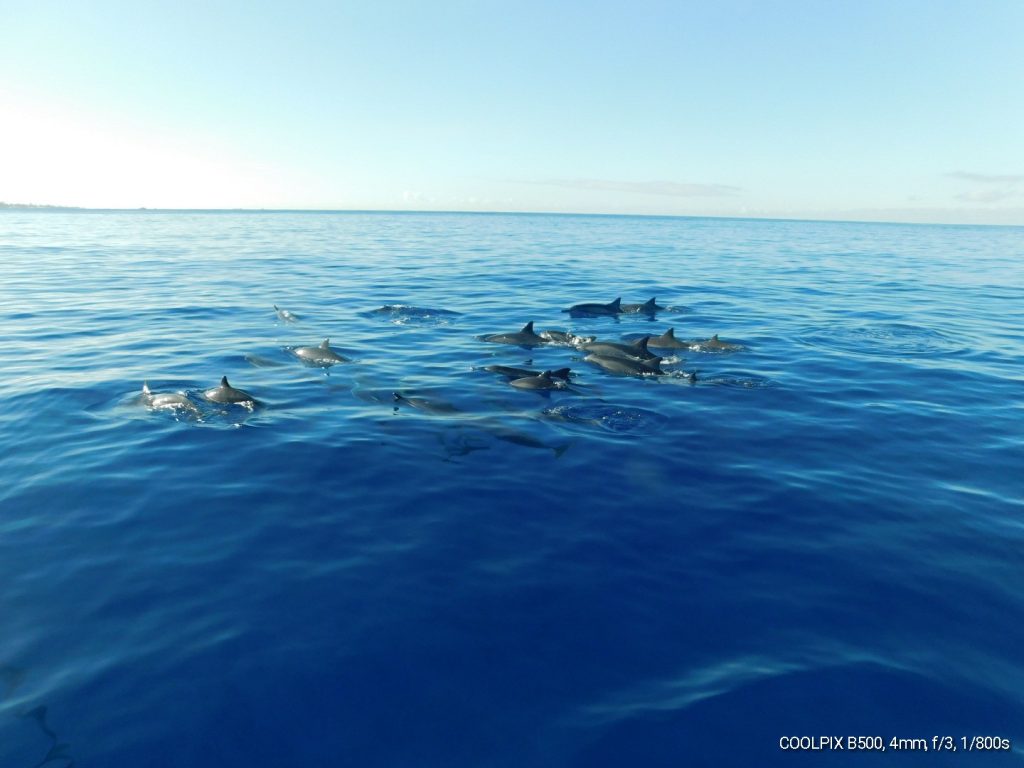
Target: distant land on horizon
[34, 207]
[824, 219]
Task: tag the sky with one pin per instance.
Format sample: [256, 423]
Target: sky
[902, 110]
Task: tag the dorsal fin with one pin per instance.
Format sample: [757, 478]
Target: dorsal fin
[145, 388]
[715, 337]
[325, 344]
[669, 334]
[546, 376]
[275, 307]
[561, 373]
[224, 381]
[652, 302]
[641, 344]
[528, 328]
[616, 304]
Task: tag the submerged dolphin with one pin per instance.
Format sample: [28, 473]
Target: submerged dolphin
[716, 345]
[612, 308]
[262, 362]
[321, 355]
[423, 404]
[284, 315]
[172, 401]
[628, 365]
[636, 350]
[521, 373]
[225, 393]
[565, 337]
[668, 340]
[541, 381]
[647, 308]
[524, 338]
[519, 437]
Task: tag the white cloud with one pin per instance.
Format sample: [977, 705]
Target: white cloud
[987, 178]
[988, 188]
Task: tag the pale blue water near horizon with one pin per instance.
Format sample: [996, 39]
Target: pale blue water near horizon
[821, 536]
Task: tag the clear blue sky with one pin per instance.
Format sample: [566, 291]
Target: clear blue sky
[884, 110]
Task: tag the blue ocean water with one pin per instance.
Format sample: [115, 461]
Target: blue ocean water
[821, 536]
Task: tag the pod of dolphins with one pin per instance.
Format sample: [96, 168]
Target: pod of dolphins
[631, 358]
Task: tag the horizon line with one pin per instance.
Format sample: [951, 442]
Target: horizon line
[45, 208]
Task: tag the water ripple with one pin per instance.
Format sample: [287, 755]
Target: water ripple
[883, 340]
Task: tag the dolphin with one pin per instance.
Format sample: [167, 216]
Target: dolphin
[520, 373]
[518, 437]
[225, 393]
[628, 365]
[284, 315]
[456, 442]
[171, 401]
[612, 308]
[636, 350]
[262, 362]
[647, 308]
[322, 355]
[439, 407]
[409, 311]
[715, 345]
[667, 340]
[524, 338]
[565, 337]
[541, 381]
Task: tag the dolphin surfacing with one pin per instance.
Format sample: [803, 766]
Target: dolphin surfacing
[522, 373]
[668, 340]
[636, 350]
[647, 308]
[523, 338]
[321, 355]
[565, 337]
[227, 394]
[285, 316]
[714, 344]
[612, 308]
[544, 380]
[627, 365]
[173, 401]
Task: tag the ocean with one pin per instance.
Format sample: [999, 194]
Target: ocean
[821, 537]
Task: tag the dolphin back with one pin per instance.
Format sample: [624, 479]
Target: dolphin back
[225, 393]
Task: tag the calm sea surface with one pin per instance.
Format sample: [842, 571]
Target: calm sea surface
[824, 535]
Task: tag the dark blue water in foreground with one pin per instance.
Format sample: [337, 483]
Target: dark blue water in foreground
[823, 536]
